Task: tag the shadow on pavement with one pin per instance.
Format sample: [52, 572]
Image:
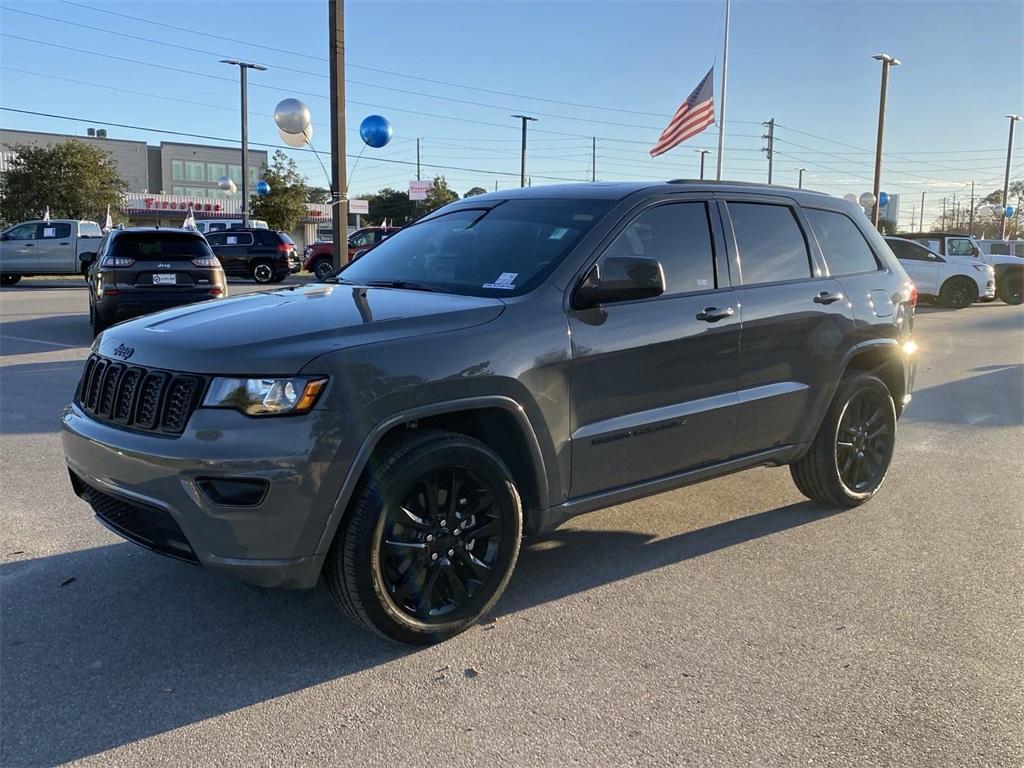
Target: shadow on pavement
[44, 334]
[992, 399]
[35, 393]
[138, 645]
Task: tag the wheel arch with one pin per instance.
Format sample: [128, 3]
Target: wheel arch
[498, 421]
[885, 359]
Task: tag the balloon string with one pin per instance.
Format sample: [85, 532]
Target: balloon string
[322, 166]
[348, 178]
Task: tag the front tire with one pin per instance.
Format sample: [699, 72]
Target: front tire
[1011, 288]
[431, 540]
[323, 269]
[9, 280]
[958, 292]
[849, 457]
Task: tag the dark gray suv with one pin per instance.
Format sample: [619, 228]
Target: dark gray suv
[507, 362]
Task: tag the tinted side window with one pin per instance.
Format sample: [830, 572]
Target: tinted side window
[999, 249]
[266, 237]
[909, 251]
[846, 251]
[959, 246]
[770, 242]
[22, 232]
[678, 236]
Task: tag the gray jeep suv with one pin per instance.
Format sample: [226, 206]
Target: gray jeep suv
[505, 363]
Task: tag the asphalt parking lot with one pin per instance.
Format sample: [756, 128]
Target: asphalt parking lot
[731, 623]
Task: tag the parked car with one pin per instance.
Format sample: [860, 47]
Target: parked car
[1009, 270]
[264, 255]
[318, 256]
[507, 362]
[141, 270]
[1002, 247]
[219, 225]
[45, 248]
[953, 281]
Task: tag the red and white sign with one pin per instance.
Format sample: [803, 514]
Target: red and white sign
[418, 190]
[359, 206]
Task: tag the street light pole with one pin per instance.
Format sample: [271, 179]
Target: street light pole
[922, 211]
[522, 157]
[243, 67]
[887, 61]
[1006, 178]
[702, 153]
[800, 181]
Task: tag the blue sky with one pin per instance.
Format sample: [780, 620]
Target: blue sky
[807, 64]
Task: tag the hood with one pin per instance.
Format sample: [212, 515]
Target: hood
[278, 332]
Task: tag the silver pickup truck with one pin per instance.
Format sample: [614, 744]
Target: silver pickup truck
[45, 248]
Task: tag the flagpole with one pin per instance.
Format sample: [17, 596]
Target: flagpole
[725, 77]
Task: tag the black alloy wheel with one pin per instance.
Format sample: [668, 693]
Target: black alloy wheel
[323, 269]
[438, 548]
[1011, 288]
[263, 272]
[864, 442]
[959, 292]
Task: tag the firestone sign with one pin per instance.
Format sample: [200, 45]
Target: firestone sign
[139, 202]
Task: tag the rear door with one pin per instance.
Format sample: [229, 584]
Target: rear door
[653, 385]
[920, 264]
[232, 248]
[18, 249]
[55, 248]
[796, 322]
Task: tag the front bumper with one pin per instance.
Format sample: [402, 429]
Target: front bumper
[146, 487]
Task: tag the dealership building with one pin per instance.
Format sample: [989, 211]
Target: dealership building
[164, 180]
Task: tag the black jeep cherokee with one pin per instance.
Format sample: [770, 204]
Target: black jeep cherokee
[265, 255]
[507, 362]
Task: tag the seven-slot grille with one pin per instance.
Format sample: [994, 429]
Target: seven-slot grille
[137, 397]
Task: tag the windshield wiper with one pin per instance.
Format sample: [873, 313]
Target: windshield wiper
[406, 284]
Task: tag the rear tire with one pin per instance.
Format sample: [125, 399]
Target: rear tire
[263, 272]
[1011, 288]
[430, 541]
[9, 280]
[849, 457]
[323, 269]
[958, 292]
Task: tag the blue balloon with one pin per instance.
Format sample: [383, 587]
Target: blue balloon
[883, 199]
[376, 131]
[262, 188]
[1009, 211]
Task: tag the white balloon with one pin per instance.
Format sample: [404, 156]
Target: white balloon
[997, 210]
[292, 116]
[850, 197]
[867, 200]
[292, 139]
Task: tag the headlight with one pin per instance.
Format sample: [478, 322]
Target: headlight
[983, 267]
[265, 397]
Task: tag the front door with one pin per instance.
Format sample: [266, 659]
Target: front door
[652, 386]
[796, 324]
[18, 250]
[232, 250]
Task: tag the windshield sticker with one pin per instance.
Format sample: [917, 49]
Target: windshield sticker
[505, 281]
[558, 233]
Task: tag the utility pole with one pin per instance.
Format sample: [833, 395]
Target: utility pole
[970, 228]
[1006, 178]
[522, 154]
[922, 212]
[952, 210]
[800, 181]
[887, 61]
[495, 185]
[417, 159]
[593, 158]
[944, 213]
[913, 216]
[702, 153]
[339, 211]
[771, 145]
[243, 70]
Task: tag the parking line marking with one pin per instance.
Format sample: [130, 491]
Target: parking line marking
[40, 341]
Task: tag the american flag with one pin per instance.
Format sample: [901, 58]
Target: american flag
[693, 116]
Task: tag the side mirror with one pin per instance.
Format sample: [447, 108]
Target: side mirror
[620, 278]
[975, 251]
[87, 257]
[5, 236]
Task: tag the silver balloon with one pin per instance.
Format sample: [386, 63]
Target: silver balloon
[296, 139]
[292, 116]
[867, 200]
[227, 185]
[850, 197]
[997, 210]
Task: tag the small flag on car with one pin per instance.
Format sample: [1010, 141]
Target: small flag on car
[108, 223]
[693, 116]
[190, 220]
[46, 216]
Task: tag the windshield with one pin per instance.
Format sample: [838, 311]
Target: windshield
[505, 251]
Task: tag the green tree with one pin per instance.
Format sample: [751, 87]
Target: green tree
[285, 206]
[318, 195]
[391, 204]
[76, 180]
[440, 195]
[474, 192]
[887, 226]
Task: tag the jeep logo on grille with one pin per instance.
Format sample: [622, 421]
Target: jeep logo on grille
[124, 351]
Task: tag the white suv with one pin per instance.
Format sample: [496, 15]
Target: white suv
[956, 281]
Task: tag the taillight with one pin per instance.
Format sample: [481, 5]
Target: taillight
[284, 247]
[110, 262]
[913, 295]
[110, 292]
[216, 291]
[206, 261]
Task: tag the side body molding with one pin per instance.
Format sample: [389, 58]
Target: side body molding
[452, 406]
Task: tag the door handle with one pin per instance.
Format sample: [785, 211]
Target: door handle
[828, 298]
[714, 314]
[63, 243]
[30, 245]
